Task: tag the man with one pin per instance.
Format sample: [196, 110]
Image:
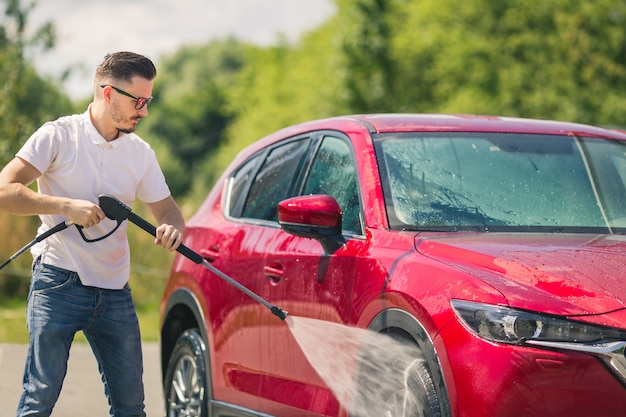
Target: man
[76, 284]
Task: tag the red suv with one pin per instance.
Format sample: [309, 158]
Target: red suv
[494, 245]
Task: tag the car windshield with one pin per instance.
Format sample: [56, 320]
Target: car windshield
[503, 182]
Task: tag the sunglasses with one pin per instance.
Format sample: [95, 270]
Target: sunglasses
[140, 102]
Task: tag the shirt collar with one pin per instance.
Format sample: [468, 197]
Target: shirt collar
[95, 136]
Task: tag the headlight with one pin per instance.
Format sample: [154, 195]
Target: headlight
[509, 325]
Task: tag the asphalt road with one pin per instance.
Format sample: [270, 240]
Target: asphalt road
[83, 393]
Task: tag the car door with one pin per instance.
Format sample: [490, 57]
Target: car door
[237, 246]
[309, 283]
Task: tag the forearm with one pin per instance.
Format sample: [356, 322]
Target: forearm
[173, 218]
[166, 212]
[16, 198]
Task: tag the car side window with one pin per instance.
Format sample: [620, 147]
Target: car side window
[334, 173]
[274, 181]
[238, 184]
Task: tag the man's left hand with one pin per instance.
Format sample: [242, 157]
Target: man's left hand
[168, 237]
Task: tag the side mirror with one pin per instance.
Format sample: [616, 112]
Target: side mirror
[313, 216]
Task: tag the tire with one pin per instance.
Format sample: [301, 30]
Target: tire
[185, 384]
[402, 385]
[418, 397]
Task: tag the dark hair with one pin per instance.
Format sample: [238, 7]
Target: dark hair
[122, 66]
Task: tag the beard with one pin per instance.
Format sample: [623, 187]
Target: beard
[117, 115]
[126, 130]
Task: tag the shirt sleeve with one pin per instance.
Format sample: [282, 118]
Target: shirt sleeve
[41, 149]
[152, 187]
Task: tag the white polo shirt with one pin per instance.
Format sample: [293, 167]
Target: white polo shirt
[77, 162]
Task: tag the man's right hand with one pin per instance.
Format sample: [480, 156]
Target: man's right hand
[84, 213]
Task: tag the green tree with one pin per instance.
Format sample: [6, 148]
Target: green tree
[534, 58]
[280, 86]
[26, 100]
[190, 114]
[368, 69]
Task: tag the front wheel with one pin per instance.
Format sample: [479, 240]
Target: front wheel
[393, 379]
[185, 384]
[418, 397]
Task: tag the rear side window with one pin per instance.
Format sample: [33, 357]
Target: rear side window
[274, 180]
[238, 185]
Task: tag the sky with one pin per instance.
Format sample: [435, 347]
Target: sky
[89, 29]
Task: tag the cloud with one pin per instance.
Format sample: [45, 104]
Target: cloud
[87, 30]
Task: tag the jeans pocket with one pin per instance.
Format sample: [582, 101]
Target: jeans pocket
[48, 277]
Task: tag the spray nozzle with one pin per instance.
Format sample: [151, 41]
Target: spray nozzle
[279, 312]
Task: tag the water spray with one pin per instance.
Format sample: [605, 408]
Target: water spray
[118, 211]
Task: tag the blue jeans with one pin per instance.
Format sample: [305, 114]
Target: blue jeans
[58, 307]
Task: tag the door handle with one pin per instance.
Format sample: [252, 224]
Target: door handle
[274, 272]
[211, 253]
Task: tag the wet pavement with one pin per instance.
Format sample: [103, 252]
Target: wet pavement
[83, 392]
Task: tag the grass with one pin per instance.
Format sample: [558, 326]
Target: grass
[13, 324]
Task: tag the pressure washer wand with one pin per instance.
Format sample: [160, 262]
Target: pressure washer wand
[44, 235]
[116, 210]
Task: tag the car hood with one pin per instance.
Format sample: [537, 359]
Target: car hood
[571, 275]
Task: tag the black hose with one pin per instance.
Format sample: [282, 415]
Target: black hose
[44, 235]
